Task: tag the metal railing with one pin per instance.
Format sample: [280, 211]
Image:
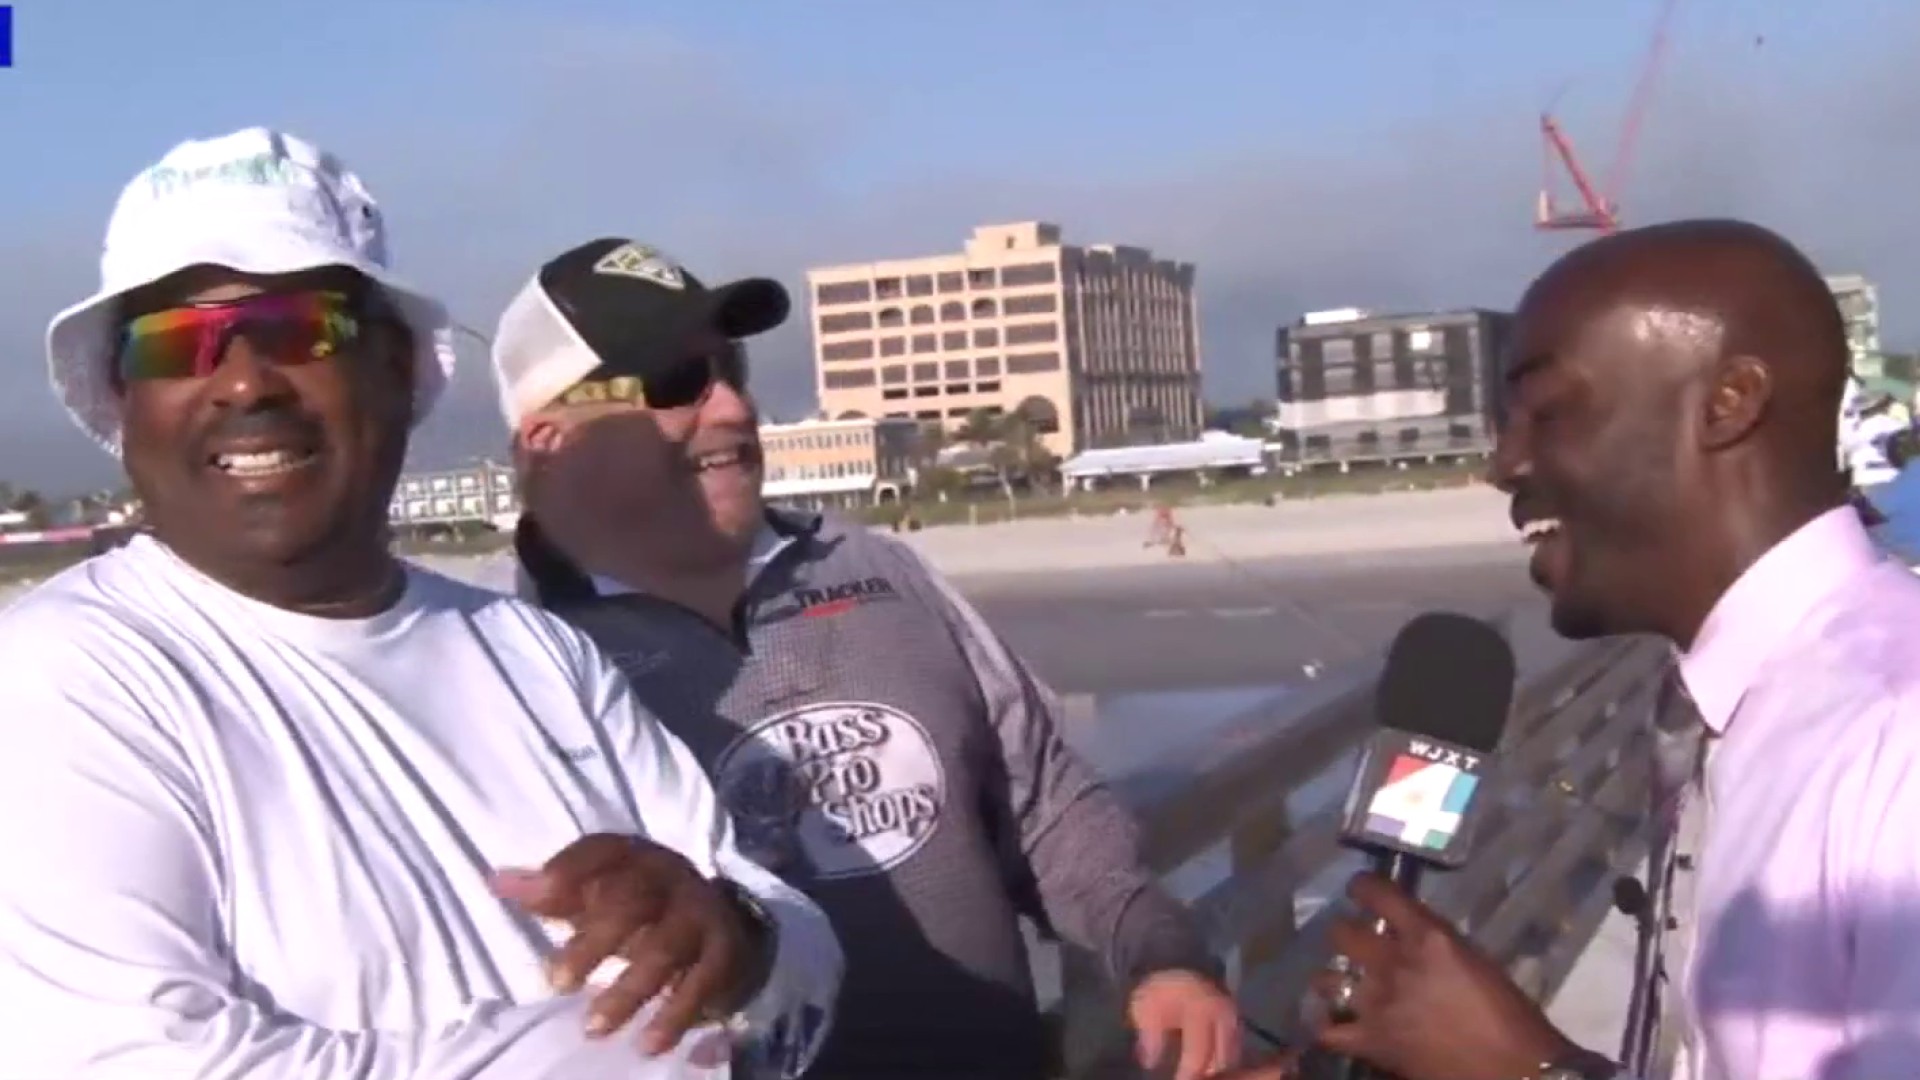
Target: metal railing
[1570, 816]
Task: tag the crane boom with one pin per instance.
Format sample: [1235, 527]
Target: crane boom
[1599, 208]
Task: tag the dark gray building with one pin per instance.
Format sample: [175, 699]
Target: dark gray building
[1354, 385]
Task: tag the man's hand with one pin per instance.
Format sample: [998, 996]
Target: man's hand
[1427, 1004]
[1192, 1007]
[634, 900]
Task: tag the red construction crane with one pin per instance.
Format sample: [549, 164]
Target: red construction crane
[1599, 204]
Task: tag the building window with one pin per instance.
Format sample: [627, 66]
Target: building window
[887, 288]
[849, 380]
[950, 282]
[843, 292]
[893, 346]
[846, 321]
[893, 373]
[1032, 363]
[920, 285]
[926, 372]
[980, 279]
[892, 317]
[1033, 333]
[1337, 350]
[1028, 274]
[984, 308]
[1043, 304]
[987, 366]
[957, 369]
[1342, 380]
[925, 343]
[986, 338]
[953, 311]
[847, 350]
[922, 315]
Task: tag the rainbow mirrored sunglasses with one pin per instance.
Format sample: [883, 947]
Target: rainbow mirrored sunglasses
[687, 382]
[189, 341]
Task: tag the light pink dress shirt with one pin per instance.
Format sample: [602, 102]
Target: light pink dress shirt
[1806, 960]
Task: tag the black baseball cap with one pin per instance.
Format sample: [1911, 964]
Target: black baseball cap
[616, 307]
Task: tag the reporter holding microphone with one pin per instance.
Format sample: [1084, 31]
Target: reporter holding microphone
[1672, 403]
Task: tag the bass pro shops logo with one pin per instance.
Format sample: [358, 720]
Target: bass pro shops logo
[833, 790]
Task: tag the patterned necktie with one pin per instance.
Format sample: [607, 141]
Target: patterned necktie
[1679, 751]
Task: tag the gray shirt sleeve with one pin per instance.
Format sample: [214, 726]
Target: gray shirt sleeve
[1077, 846]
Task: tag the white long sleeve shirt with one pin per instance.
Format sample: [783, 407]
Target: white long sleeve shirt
[242, 842]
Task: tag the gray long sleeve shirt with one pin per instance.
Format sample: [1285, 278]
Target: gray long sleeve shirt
[881, 749]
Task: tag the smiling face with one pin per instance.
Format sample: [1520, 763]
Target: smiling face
[266, 420]
[1593, 450]
[669, 465]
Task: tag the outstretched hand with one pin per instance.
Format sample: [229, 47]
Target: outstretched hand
[1191, 1009]
[629, 899]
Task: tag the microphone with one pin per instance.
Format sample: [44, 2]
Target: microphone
[1441, 705]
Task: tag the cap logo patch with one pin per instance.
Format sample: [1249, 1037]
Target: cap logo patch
[619, 390]
[639, 261]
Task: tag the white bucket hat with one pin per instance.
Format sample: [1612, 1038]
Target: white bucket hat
[256, 201]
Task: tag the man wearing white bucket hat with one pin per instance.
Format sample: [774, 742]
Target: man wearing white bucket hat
[274, 803]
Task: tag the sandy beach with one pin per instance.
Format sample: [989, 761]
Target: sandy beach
[1331, 527]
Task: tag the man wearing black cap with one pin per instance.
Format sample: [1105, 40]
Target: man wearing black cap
[670, 498]
[874, 740]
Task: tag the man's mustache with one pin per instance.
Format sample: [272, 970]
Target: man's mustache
[274, 425]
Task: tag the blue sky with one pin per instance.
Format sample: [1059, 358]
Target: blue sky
[1303, 154]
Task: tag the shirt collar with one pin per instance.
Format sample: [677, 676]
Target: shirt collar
[766, 545]
[1754, 617]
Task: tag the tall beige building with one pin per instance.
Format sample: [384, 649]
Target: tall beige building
[1099, 345]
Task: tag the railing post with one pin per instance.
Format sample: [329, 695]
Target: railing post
[1251, 846]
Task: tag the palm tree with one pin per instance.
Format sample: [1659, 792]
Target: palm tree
[1022, 432]
[31, 503]
[981, 428]
[928, 442]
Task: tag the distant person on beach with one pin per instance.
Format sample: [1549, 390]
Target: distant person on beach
[876, 741]
[274, 803]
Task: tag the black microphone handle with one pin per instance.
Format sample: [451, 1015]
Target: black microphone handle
[1403, 870]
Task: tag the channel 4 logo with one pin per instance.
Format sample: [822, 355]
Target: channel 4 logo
[6, 35]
